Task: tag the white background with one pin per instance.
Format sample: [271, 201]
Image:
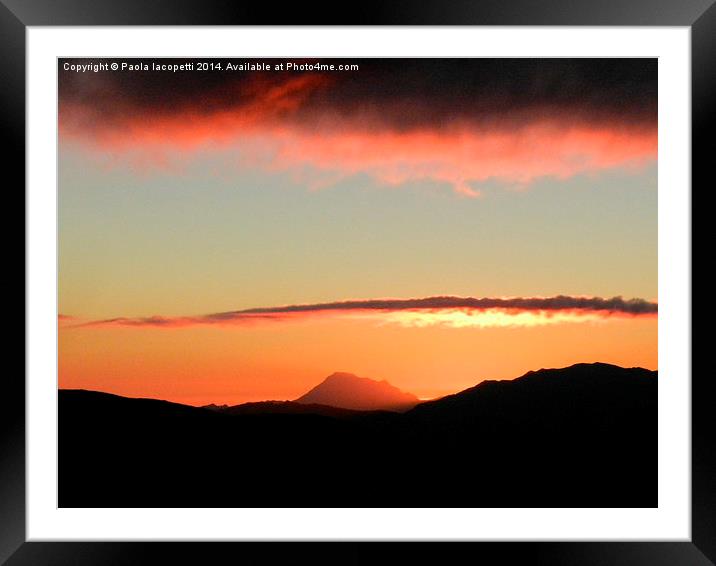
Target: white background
[671, 520]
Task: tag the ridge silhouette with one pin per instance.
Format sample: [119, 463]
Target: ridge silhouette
[582, 436]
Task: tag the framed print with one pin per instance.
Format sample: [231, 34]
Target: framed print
[432, 141]
[355, 284]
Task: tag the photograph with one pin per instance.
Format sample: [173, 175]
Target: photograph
[357, 282]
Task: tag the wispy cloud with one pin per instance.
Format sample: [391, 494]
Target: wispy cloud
[440, 310]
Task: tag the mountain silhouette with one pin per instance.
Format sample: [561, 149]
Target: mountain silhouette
[349, 391]
[582, 436]
[540, 394]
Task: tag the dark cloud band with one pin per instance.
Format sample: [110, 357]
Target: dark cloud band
[614, 305]
[401, 94]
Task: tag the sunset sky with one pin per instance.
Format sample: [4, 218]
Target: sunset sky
[231, 236]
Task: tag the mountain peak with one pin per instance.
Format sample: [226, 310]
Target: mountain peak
[349, 391]
[342, 376]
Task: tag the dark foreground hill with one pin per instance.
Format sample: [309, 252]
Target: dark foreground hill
[291, 408]
[583, 436]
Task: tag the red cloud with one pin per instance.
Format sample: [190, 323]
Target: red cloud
[292, 125]
[461, 156]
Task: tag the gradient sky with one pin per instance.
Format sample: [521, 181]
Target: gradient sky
[186, 197]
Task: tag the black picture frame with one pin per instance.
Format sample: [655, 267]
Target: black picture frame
[16, 15]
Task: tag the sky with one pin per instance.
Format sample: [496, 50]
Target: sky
[238, 235]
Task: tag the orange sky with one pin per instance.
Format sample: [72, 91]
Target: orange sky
[187, 201]
[201, 365]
